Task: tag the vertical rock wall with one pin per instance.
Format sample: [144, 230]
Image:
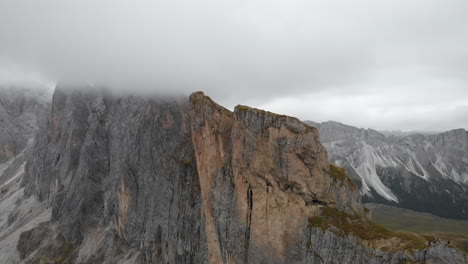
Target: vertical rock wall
[261, 175]
[124, 164]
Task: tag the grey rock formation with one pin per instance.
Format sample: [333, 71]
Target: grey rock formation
[133, 179]
[21, 112]
[326, 247]
[30, 240]
[121, 163]
[423, 173]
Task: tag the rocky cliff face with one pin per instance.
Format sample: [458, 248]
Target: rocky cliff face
[22, 109]
[423, 173]
[134, 179]
[264, 168]
[113, 167]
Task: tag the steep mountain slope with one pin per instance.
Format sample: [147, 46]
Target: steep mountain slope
[132, 179]
[423, 173]
[21, 112]
[20, 109]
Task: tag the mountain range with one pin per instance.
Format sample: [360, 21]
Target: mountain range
[427, 173]
[99, 177]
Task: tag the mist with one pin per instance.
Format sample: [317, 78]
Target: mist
[380, 64]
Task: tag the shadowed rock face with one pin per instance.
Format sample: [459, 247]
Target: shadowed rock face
[148, 180]
[124, 164]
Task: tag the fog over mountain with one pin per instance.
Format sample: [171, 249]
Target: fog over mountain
[386, 65]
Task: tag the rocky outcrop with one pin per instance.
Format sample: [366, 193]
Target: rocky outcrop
[133, 179]
[30, 240]
[418, 172]
[257, 169]
[327, 247]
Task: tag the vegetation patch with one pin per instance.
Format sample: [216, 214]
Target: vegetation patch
[119, 252]
[340, 175]
[57, 251]
[259, 111]
[431, 227]
[344, 224]
[316, 221]
[188, 162]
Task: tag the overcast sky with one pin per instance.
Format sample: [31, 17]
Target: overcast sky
[393, 64]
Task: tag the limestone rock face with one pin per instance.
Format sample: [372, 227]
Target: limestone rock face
[269, 172]
[133, 179]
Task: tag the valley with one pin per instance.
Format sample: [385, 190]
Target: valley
[399, 219]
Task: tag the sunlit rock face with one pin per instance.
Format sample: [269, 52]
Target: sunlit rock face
[424, 173]
[134, 179]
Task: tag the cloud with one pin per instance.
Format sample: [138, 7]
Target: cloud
[375, 63]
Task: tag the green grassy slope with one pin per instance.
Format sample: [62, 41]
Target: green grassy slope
[398, 219]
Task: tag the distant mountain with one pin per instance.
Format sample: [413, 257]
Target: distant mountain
[398, 133]
[423, 173]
